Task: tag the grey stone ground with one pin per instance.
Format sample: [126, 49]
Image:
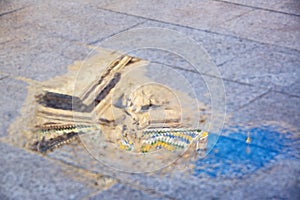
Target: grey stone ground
[255, 45]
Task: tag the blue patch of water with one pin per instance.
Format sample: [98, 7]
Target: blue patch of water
[232, 157]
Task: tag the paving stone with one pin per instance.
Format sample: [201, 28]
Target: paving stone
[289, 6]
[271, 108]
[78, 22]
[28, 176]
[63, 33]
[120, 191]
[21, 54]
[42, 59]
[7, 7]
[13, 94]
[264, 26]
[236, 95]
[164, 185]
[197, 14]
[273, 28]
[219, 47]
[267, 4]
[271, 184]
[267, 66]
[82, 22]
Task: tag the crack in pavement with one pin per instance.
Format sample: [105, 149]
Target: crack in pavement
[235, 56]
[209, 75]
[121, 31]
[229, 80]
[198, 29]
[4, 77]
[257, 8]
[235, 17]
[12, 11]
[253, 100]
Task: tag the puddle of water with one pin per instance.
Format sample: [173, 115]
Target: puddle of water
[232, 157]
[105, 103]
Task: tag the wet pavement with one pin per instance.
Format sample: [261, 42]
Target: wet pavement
[255, 46]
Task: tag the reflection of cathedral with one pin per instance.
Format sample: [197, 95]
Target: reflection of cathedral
[125, 106]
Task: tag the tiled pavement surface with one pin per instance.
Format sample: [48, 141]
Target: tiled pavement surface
[255, 45]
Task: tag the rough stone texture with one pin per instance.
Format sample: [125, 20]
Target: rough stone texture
[234, 19]
[271, 107]
[268, 185]
[121, 192]
[255, 45]
[266, 66]
[237, 95]
[13, 94]
[63, 35]
[220, 48]
[182, 12]
[28, 176]
[288, 7]
[254, 3]
[264, 26]
[291, 7]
